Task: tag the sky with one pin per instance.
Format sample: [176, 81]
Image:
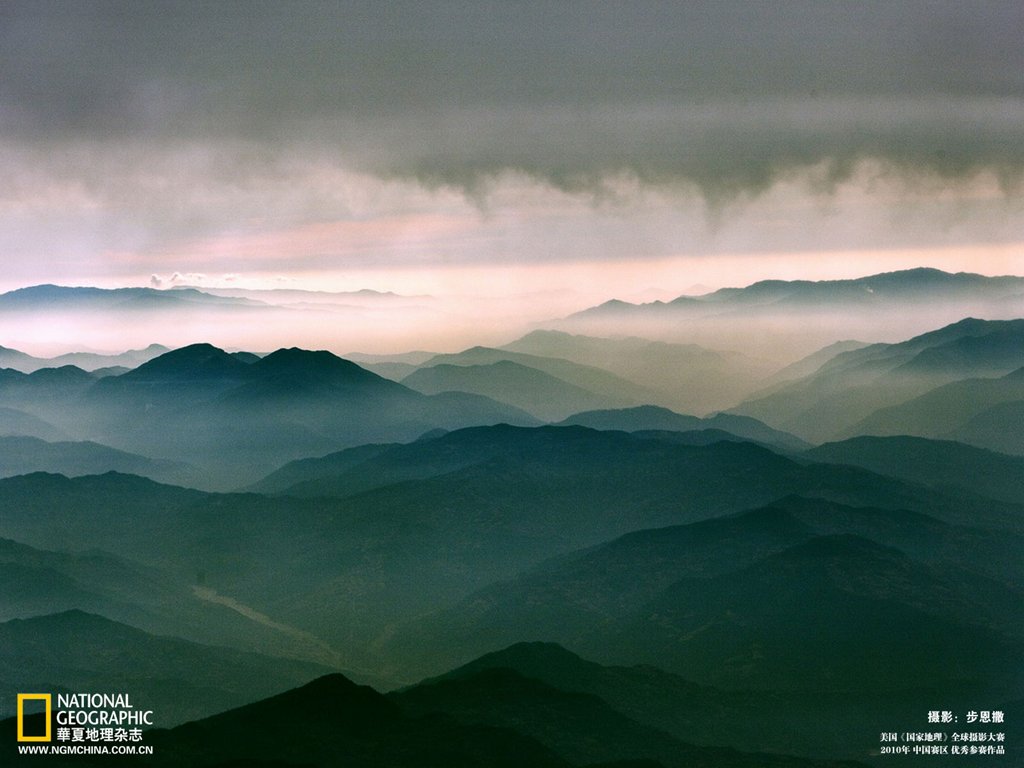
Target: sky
[555, 154]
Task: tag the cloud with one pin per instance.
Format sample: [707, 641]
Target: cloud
[324, 137]
[178, 278]
[726, 97]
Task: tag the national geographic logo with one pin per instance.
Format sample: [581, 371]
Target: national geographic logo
[81, 717]
[47, 700]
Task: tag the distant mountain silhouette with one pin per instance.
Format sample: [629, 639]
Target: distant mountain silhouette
[911, 285]
[23, 455]
[596, 379]
[779, 320]
[19, 361]
[14, 423]
[130, 359]
[41, 403]
[684, 377]
[808, 365]
[545, 396]
[839, 399]
[55, 298]
[649, 417]
[88, 361]
[290, 296]
[982, 412]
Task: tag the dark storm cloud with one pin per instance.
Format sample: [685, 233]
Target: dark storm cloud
[726, 95]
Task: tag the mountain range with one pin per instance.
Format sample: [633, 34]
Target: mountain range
[177, 679]
[391, 533]
[480, 715]
[685, 377]
[613, 600]
[24, 455]
[932, 385]
[87, 361]
[647, 418]
[237, 416]
[921, 285]
[544, 396]
[58, 298]
[589, 549]
[802, 316]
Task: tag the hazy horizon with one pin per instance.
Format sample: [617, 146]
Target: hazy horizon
[389, 323]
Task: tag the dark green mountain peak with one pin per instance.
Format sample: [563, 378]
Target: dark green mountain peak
[301, 362]
[327, 689]
[78, 619]
[966, 328]
[292, 372]
[65, 374]
[526, 656]
[331, 700]
[641, 417]
[112, 484]
[196, 361]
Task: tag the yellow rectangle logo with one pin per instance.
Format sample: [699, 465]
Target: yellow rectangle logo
[22, 698]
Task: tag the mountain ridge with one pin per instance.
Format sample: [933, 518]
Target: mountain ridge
[897, 283]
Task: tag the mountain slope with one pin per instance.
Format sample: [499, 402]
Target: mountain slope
[839, 399]
[684, 377]
[581, 598]
[885, 290]
[1000, 428]
[15, 423]
[241, 419]
[651, 418]
[178, 680]
[58, 298]
[19, 361]
[87, 361]
[805, 315]
[158, 600]
[484, 505]
[868, 623]
[938, 463]
[22, 455]
[950, 411]
[588, 377]
[545, 396]
[330, 722]
[645, 694]
[579, 727]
